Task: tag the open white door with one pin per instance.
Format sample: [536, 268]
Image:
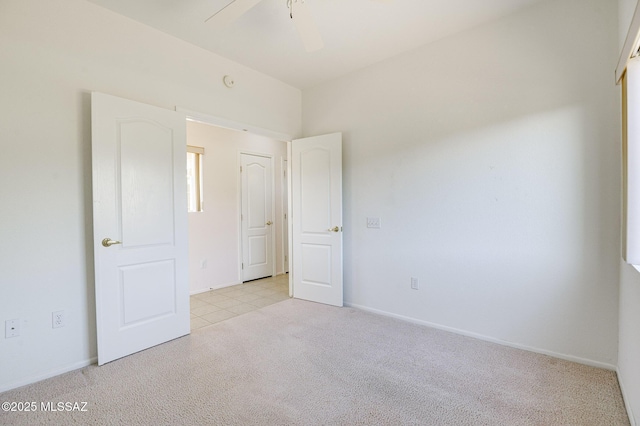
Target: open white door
[257, 217]
[316, 194]
[139, 225]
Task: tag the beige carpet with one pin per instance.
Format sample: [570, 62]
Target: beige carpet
[301, 363]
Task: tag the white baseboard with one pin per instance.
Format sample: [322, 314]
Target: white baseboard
[566, 357]
[632, 419]
[225, 285]
[204, 290]
[48, 375]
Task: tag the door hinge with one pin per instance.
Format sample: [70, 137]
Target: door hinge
[240, 169]
[243, 266]
[285, 258]
[285, 216]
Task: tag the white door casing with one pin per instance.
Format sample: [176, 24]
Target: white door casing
[257, 217]
[139, 203]
[285, 217]
[316, 195]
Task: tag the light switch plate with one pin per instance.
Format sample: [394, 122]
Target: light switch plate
[415, 284]
[373, 222]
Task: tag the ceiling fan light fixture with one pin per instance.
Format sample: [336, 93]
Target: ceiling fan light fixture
[306, 26]
[302, 19]
[232, 11]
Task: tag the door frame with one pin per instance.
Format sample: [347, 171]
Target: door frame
[235, 125]
[284, 182]
[289, 212]
[273, 210]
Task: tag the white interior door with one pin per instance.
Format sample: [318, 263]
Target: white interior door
[140, 225]
[316, 194]
[257, 217]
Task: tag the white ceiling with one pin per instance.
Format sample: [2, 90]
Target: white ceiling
[356, 33]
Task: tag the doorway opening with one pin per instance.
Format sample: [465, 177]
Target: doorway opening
[156, 158]
[241, 233]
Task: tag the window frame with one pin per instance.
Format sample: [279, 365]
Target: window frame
[197, 181]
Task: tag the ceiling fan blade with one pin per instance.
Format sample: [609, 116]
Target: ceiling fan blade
[306, 27]
[228, 14]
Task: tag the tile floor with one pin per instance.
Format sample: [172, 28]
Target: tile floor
[218, 305]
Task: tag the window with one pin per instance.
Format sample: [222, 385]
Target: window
[628, 75]
[194, 178]
[631, 164]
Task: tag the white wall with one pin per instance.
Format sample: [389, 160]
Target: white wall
[629, 339]
[626, 8]
[214, 233]
[54, 53]
[492, 158]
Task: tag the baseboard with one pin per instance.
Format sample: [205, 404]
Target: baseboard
[204, 290]
[632, 419]
[566, 357]
[193, 293]
[48, 375]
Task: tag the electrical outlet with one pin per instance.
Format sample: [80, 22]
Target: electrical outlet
[57, 319]
[415, 284]
[11, 328]
[373, 222]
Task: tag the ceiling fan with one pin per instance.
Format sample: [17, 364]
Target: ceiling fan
[298, 12]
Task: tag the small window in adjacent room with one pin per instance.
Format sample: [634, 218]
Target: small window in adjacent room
[194, 178]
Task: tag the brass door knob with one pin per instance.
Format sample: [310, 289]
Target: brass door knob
[108, 242]
[269, 223]
[334, 229]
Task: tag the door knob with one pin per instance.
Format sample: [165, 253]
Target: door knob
[108, 242]
[269, 223]
[334, 229]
